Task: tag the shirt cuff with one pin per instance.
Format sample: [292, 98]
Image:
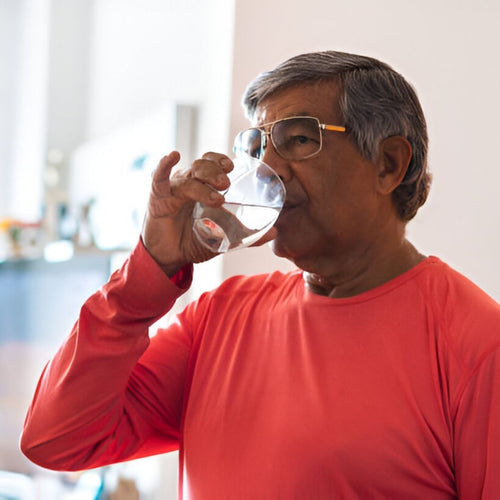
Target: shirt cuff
[142, 289]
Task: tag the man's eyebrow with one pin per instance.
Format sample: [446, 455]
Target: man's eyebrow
[293, 115]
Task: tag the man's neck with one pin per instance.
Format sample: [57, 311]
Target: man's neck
[364, 272]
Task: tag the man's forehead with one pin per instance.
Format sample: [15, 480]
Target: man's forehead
[317, 99]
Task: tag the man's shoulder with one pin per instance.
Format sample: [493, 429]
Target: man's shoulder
[463, 312]
[446, 282]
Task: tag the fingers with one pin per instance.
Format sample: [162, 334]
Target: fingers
[212, 169]
[167, 230]
[203, 181]
[172, 189]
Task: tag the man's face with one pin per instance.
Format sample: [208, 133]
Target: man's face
[332, 207]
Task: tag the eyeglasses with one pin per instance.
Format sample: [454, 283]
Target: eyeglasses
[295, 138]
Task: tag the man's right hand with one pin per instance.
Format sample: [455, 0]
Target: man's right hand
[167, 232]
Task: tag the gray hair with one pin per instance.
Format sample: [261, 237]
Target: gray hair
[376, 102]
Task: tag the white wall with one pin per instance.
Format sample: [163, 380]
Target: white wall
[24, 52]
[70, 35]
[73, 71]
[10, 35]
[147, 52]
[449, 50]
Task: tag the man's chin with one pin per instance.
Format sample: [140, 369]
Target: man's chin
[279, 248]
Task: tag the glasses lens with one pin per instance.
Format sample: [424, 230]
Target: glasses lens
[249, 142]
[296, 138]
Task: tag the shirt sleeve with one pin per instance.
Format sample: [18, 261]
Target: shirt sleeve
[477, 432]
[96, 401]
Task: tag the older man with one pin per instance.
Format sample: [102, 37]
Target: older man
[370, 372]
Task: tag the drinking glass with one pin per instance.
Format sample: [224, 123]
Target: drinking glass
[251, 206]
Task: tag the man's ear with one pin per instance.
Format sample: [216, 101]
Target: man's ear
[393, 161]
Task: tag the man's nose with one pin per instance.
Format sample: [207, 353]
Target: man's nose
[272, 158]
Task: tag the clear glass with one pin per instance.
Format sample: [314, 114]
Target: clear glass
[252, 204]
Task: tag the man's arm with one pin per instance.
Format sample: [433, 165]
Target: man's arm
[477, 432]
[94, 403]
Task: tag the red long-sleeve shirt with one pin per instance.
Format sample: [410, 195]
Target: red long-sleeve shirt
[273, 392]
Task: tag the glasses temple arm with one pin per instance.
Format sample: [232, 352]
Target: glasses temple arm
[335, 128]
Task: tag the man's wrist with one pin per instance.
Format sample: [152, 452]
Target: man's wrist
[179, 273]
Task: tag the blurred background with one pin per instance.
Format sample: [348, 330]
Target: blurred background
[94, 92]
